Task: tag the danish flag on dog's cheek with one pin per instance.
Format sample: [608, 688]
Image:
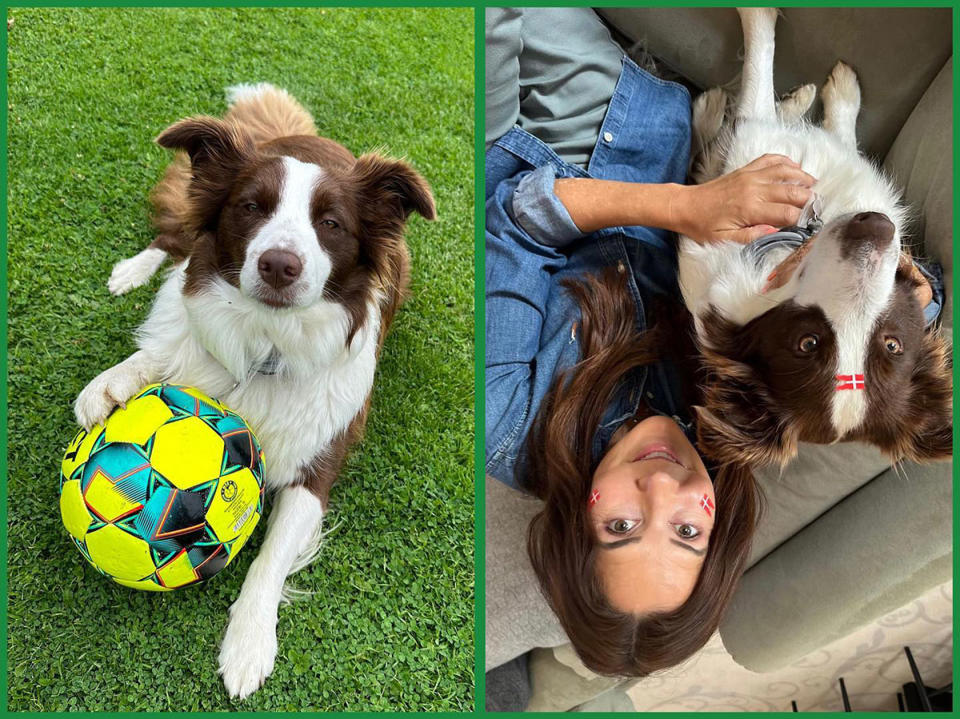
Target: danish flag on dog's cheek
[850, 381]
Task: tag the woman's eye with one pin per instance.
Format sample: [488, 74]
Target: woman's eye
[621, 526]
[808, 343]
[251, 207]
[687, 531]
[332, 224]
[893, 345]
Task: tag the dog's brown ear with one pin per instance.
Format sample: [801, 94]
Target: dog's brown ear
[393, 186]
[925, 431]
[729, 436]
[208, 141]
[218, 150]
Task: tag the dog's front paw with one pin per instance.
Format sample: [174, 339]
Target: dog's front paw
[135, 271]
[107, 390]
[248, 650]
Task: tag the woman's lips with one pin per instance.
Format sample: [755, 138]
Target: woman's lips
[658, 451]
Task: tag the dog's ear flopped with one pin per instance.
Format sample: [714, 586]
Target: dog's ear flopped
[218, 150]
[392, 189]
[924, 433]
[735, 433]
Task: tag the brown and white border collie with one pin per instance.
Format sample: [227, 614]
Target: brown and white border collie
[825, 343]
[290, 262]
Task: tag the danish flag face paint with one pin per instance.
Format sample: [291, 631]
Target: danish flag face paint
[707, 505]
[594, 498]
[849, 381]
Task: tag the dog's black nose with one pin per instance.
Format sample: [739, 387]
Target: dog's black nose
[279, 268]
[871, 231]
[871, 225]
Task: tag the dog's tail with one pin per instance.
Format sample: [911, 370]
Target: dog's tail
[267, 112]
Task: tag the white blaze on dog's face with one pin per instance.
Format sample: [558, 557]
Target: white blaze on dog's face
[285, 264]
[848, 273]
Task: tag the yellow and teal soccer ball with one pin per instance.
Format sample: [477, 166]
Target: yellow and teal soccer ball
[166, 492]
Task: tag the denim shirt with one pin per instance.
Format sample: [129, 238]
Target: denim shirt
[532, 245]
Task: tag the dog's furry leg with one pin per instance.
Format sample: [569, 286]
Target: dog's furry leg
[796, 103]
[249, 646]
[114, 387]
[841, 103]
[757, 100]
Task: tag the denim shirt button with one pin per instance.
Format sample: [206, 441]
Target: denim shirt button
[620, 267]
[608, 137]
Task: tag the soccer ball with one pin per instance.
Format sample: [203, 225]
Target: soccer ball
[166, 492]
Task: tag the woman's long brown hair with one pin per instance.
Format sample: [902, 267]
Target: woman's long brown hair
[559, 470]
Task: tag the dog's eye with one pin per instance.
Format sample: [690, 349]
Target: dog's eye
[621, 526]
[893, 345]
[808, 343]
[251, 207]
[332, 224]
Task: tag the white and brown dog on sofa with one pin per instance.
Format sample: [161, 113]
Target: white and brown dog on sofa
[825, 338]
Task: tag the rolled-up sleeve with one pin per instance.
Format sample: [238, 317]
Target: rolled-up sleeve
[519, 270]
[540, 213]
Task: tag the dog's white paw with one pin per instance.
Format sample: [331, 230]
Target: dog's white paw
[796, 103]
[842, 87]
[135, 271]
[105, 392]
[248, 650]
[758, 18]
[708, 112]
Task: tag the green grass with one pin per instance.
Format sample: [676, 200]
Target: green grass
[389, 626]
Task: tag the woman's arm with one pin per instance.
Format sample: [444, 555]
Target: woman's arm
[745, 204]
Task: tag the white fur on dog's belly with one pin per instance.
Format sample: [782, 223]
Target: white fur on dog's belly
[296, 414]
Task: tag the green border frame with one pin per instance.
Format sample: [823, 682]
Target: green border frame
[479, 508]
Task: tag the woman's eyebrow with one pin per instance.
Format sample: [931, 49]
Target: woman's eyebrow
[698, 552]
[620, 542]
[623, 542]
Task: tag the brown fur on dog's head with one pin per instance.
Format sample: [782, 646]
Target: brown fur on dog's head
[760, 401]
[372, 197]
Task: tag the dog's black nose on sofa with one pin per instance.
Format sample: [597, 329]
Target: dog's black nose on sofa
[279, 268]
[873, 228]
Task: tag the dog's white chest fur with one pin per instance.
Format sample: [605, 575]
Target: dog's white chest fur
[215, 341]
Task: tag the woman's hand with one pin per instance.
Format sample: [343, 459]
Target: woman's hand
[745, 204]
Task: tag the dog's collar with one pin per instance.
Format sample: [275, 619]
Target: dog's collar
[271, 365]
[789, 237]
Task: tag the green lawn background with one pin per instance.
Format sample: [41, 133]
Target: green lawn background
[390, 624]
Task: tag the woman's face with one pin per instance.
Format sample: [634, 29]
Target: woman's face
[651, 508]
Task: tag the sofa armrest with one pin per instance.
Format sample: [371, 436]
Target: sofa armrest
[884, 545]
[921, 161]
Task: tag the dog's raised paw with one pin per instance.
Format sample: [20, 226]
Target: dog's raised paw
[758, 17]
[842, 86]
[247, 652]
[796, 103]
[135, 271]
[708, 113]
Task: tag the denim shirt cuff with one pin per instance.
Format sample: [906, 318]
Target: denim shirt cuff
[538, 211]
